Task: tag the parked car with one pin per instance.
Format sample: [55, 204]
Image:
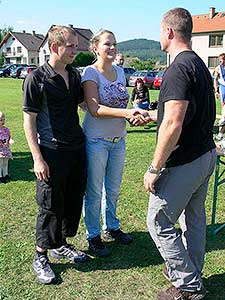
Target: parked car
[26, 71]
[158, 80]
[6, 71]
[128, 72]
[147, 77]
[16, 72]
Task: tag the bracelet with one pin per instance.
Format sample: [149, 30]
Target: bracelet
[155, 171]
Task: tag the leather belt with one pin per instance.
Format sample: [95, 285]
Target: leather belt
[113, 140]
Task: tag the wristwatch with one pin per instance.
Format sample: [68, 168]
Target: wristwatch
[152, 170]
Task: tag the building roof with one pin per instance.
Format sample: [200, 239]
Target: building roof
[84, 36]
[31, 41]
[211, 22]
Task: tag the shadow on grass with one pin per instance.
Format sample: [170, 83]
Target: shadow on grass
[215, 242]
[215, 285]
[140, 253]
[20, 168]
[149, 128]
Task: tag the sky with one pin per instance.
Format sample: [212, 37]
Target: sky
[128, 19]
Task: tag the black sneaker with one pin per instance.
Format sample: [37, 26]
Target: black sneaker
[173, 293]
[68, 251]
[97, 248]
[42, 269]
[118, 235]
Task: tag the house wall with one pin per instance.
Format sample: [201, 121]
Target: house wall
[200, 44]
[14, 56]
[44, 54]
[25, 57]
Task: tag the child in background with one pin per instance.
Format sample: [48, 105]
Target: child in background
[5, 153]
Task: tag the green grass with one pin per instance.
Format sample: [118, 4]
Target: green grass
[133, 272]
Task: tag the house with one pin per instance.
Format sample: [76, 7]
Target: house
[208, 36]
[21, 47]
[83, 34]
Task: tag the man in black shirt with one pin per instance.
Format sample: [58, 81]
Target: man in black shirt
[52, 94]
[183, 160]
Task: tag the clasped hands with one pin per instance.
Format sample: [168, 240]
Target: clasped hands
[139, 117]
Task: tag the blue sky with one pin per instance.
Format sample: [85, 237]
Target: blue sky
[128, 19]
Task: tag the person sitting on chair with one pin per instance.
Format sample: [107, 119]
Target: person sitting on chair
[140, 95]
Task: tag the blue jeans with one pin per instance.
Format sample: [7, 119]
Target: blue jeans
[105, 169]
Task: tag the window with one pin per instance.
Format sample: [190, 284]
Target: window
[19, 49]
[8, 50]
[216, 40]
[213, 61]
[32, 60]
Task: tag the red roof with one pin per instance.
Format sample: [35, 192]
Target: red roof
[203, 23]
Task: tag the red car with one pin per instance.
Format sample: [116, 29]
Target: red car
[158, 80]
[147, 76]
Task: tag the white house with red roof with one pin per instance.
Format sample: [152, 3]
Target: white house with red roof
[208, 36]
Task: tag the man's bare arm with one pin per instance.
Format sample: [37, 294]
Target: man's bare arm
[41, 168]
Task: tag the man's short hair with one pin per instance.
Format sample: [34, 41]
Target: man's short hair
[180, 20]
[56, 34]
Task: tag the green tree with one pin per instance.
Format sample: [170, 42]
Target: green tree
[4, 31]
[142, 65]
[83, 59]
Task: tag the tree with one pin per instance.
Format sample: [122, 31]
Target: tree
[4, 31]
[138, 64]
[83, 59]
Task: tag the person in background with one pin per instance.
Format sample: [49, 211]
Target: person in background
[52, 94]
[104, 125]
[5, 152]
[140, 95]
[119, 60]
[183, 162]
[219, 87]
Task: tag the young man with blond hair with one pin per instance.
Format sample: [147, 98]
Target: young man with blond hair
[52, 94]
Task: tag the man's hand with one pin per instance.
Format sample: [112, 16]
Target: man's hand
[41, 170]
[149, 181]
[140, 117]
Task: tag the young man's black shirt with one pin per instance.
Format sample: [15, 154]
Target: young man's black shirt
[46, 94]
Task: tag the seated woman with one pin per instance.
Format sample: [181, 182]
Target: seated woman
[140, 95]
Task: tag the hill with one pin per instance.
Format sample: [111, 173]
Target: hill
[143, 49]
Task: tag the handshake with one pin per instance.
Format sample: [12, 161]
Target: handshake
[140, 117]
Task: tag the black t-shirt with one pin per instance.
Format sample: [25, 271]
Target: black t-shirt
[46, 94]
[188, 78]
[141, 94]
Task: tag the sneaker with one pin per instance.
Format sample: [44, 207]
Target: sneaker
[42, 269]
[118, 235]
[97, 248]
[220, 123]
[219, 137]
[68, 251]
[173, 293]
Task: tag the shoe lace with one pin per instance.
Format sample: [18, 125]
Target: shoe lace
[44, 262]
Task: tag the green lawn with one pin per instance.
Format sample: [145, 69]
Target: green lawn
[132, 272]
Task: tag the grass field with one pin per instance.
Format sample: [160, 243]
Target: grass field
[132, 272]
